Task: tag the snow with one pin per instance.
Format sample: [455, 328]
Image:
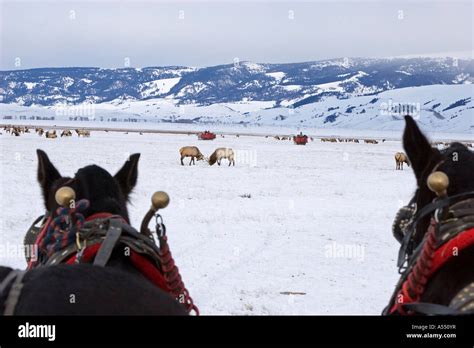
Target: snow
[193, 88]
[337, 86]
[403, 72]
[68, 82]
[279, 75]
[158, 87]
[253, 66]
[30, 85]
[356, 113]
[331, 86]
[367, 115]
[307, 205]
[291, 88]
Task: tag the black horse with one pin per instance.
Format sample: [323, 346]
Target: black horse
[455, 208]
[85, 289]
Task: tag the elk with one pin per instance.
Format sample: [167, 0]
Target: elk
[83, 133]
[190, 151]
[221, 153]
[401, 158]
[51, 134]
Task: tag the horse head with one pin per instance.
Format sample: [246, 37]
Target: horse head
[436, 230]
[105, 193]
[456, 161]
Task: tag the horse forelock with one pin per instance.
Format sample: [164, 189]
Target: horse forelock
[101, 189]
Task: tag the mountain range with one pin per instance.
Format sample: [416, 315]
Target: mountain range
[256, 92]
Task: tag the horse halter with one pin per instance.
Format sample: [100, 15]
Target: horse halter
[451, 226]
[92, 240]
[408, 217]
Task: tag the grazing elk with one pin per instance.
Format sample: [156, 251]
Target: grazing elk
[66, 133]
[190, 151]
[83, 133]
[15, 132]
[51, 134]
[401, 158]
[221, 153]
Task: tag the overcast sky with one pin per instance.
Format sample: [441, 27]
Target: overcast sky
[203, 33]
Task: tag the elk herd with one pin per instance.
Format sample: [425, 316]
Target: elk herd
[49, 134]
[220, 153]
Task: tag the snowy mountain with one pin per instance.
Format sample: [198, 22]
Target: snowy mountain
[348, 93]
[285, 84]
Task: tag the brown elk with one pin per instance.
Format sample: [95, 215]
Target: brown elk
[190, 151]
[66, 133]
[83, 133]
[51, 134]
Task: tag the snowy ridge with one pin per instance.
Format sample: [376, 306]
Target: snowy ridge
[439, 108]
[353, 93]
[292, 83]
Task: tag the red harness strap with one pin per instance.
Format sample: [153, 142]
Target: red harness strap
[430, 261]
[104, 216]
[140, 262]
[168, 279]
[40, 237]
[452, 248]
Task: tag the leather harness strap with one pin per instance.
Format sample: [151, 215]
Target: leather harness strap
[464, 300]
[112, 236]
[444, 239]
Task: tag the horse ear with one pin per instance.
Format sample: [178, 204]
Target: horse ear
[419, 151]
[128, 174]
[47, 174]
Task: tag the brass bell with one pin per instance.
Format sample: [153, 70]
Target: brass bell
[438, 182]
[160, 200]
[64, 196]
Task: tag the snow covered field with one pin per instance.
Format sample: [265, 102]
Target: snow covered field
[314, 219]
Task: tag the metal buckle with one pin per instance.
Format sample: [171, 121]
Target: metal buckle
[160, 227]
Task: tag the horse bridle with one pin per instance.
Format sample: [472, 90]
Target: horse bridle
[108, 230]
[451, 216]
[408, 217]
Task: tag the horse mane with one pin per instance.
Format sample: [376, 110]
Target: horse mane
[213, 158]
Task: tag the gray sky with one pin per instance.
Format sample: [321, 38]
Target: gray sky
[203, 33]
